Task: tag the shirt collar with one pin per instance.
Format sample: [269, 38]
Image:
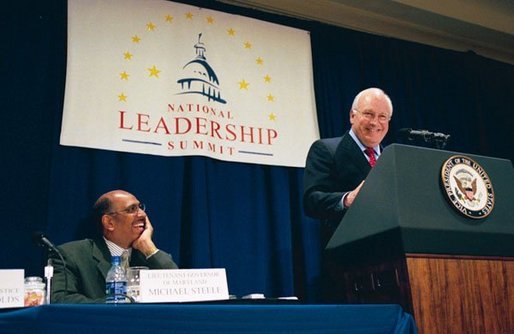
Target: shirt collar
[115, 249]
[361, 145]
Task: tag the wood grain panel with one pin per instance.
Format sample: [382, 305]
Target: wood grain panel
[462, 295]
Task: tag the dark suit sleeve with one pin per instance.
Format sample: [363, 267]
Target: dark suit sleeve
[321, 197]
[161, 260]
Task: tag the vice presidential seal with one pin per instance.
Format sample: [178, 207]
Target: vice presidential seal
[467, 187]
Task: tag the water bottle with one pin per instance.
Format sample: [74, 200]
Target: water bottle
[116, 283]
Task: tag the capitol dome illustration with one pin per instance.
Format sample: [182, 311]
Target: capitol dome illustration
[199, 77]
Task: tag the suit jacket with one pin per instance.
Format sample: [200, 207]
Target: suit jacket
[334, 166]
[87, 263]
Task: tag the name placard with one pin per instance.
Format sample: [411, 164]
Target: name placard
[182, 285]
[12, 288]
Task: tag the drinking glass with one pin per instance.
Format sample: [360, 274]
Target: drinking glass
[133, 282]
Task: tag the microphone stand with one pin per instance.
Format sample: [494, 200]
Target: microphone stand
[56, 251]
[40, 239]
[49, 273]
[440, 143]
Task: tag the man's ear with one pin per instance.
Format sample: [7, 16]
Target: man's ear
[108, 222]
[352, 115]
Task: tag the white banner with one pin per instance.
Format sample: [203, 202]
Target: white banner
[163, 78]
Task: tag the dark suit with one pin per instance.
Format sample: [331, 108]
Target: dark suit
[334, 166]
[87, 264]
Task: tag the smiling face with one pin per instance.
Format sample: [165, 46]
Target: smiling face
[370, 116]
[124, 221]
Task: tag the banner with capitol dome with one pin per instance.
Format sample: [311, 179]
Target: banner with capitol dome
[162, 78]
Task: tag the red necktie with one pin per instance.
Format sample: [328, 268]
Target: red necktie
[371, 154]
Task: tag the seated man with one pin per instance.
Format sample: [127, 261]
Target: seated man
[125, 227]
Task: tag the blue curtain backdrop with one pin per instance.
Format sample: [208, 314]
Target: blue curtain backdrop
[243, 217]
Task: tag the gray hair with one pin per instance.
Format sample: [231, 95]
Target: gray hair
[375, 91]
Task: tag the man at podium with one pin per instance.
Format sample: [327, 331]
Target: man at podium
[336, 167]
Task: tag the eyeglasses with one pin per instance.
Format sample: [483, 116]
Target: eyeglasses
[382, 118]
[133, 209]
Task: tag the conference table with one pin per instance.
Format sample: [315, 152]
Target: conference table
[206, 318]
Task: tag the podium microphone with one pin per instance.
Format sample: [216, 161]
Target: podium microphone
[440, 139]
[40, 239]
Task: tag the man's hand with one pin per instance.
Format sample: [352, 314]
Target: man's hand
[144, 243]
[350, 197]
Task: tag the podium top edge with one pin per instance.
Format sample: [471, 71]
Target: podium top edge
[406, 146]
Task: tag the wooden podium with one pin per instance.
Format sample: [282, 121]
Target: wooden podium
[403, 242]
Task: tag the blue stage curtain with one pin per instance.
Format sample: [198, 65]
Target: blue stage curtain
[208, 213]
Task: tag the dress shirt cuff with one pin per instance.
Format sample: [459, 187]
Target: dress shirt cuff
[152, 254]
[341, 206]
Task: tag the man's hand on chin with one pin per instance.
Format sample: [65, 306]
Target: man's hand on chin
[144, 243]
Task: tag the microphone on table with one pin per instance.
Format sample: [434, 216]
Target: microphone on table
[40, 239]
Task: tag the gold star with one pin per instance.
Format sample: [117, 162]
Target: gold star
[231, 32]
[127, 55]
[154, 72]
[259, 61]
[124, 75]
[247, 45]
[270, 98]
[210, 19]
[267, 79]
[189, 16]
[243, 84]
[135, 39]
[168, 18]
[272, 117]
[150, 26]
[122, 97]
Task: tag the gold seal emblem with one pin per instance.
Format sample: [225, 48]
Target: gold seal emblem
[467, 187]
